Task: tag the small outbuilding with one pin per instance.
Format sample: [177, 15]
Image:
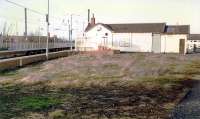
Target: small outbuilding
[174, 39]
[193, 43]
[135, 37]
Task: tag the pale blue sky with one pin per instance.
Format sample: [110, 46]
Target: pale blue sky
[113, 11]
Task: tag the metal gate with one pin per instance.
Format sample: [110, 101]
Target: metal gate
[156, 43]
[182, 46]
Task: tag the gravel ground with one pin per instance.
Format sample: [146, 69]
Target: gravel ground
[189, 108]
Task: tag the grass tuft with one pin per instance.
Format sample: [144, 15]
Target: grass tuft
[57, 114]
[34, 103]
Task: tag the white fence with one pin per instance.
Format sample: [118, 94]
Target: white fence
[81, 44]
[28, 45]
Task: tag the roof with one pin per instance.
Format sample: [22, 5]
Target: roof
[194, 37]
[138, 28]
[89, 26]
[132, 28]
[144, 28]
[177, 29]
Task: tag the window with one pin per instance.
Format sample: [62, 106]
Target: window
[99, 29]
[106, 34]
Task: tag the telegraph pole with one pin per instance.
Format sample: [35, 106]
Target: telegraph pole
[47, 44]
[25, 13]
[71, 32]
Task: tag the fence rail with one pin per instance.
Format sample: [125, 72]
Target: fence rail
[32, 45]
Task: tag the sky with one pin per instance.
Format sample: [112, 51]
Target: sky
[172, 12]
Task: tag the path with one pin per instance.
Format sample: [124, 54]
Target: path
[189, 108]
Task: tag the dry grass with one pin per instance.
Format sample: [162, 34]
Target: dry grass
[99, 86]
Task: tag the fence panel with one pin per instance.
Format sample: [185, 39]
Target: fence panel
[19, 43]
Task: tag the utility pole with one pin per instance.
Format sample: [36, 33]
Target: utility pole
[71, 32]
[25, 33]
[47, 44]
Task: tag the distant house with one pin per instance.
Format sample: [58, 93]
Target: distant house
[140, 37]
[194, 43]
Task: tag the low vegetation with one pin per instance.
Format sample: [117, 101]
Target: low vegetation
[98, 86]
[3, 49]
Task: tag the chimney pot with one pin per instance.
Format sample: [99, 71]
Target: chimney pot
[88, 16]
[93, 20]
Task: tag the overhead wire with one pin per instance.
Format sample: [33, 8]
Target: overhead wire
[30, 9]
[19, 5]
[33, 20]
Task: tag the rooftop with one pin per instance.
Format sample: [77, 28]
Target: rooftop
[144, 28]
[177, 29]
[194, 37]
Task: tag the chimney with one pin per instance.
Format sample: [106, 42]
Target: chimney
[88, 16]
[93, 20]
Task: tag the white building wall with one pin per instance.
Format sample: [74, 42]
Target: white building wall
[130, 42]
[121, 40]
[133, 42]
[127, 42]
[97, 37]
[171, 43]
[143, 42]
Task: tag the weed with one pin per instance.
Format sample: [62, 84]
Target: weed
[111, 66]
[57, 114]
[9, 73]
[35, 103]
